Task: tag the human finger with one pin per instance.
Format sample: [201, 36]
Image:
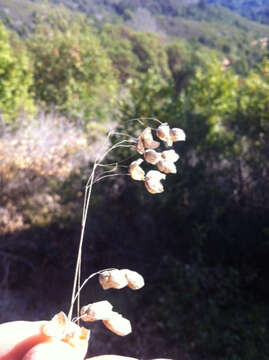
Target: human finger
[17, 337]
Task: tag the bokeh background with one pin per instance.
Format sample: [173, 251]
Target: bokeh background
[71, 70]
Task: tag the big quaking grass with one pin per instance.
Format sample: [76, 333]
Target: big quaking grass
[155, 147]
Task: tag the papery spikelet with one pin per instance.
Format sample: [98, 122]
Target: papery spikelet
[85, 333]
[152, 156]
[147, 139]
[140, 146]
[167, 167]
[76, 335]
[112, 279]
[163, 133]
[118, 324]
[100, 310]
[57, 326]
[170, 155]
[153, 181]
[135, 171]
[135, 280]
[177, 134]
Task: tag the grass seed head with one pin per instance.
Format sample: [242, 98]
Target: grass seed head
[153, 181]
[57, 326]
[177, 134]
[101, 310]
[135, 280]
[152, 156]
[148, 140]
[112, 279]
[170, 155]
[167, 167]
[118, 324]
[135, 171]
[163, 133]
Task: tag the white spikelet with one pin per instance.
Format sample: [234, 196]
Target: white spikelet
[153, 181]
[148, 140]
[163, 133]
[170, 155]
[112, 279]
[167, 167]
[57, 326]
[100, 310]
[135, 171]
[118, 324]
[135, 280]
[152, 156]
[177, 134]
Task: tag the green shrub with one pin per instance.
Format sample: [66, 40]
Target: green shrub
[72, 72]
[15, 79]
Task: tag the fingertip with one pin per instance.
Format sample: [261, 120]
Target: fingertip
[53, 350]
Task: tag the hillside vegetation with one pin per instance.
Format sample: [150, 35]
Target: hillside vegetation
[66, 78]
[256, 10]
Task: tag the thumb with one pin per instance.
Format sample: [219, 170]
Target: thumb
[54, 350]
[17, 337]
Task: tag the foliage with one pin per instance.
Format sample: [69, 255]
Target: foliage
[15, 79]
[210, 312]
[256, 10]
[133, 53]
[72, 71]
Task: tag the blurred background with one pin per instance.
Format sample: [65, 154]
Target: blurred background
[72, 69]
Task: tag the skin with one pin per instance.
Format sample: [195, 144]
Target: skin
[23, 340]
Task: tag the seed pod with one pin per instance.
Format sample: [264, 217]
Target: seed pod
[139, 146]
[163, 133]
[170, 155]
[112, 279]
[177, 134]
[76, 335]
[118, 324]
[85, 333]
[153, 181]
[57, 326]
[152, 156]
[136, 172]
[100, 310]
[135, 280]
[147, 139]
[167, 167]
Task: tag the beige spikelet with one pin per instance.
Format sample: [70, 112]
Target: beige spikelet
[153, 181]
[148, 140]
[152, 156]
[167, 167]
[100, 310]
[57, 326]
[135, 280]
[135, 171]
[163, 133]
[112, 279]
[177, 134]
[118, 324]
[76, 335]
[170, 156]
[140, 146]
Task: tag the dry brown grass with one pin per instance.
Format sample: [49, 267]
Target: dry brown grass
[34, 162]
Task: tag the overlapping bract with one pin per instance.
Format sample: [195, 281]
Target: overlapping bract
[164, 161]
[60, 328]
[102, 310]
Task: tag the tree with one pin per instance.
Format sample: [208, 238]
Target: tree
[72, 71]
[15, 79]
